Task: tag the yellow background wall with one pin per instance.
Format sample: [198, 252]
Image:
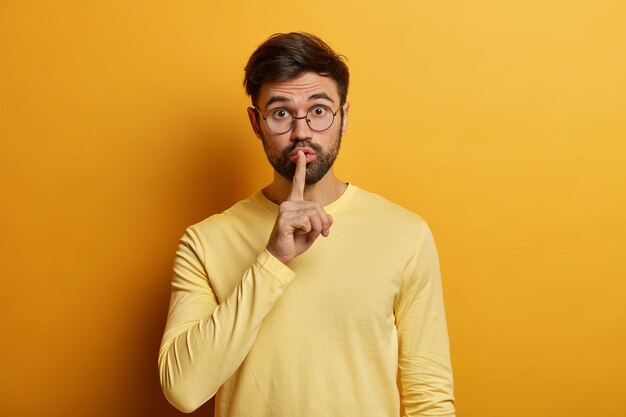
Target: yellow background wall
[502, 123]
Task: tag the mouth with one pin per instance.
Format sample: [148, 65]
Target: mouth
[308, 153]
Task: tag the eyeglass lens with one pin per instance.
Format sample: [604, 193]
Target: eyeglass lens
[319, 118]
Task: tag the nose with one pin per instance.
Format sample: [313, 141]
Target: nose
[300, 129]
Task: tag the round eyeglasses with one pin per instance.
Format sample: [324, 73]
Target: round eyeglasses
[280, 120]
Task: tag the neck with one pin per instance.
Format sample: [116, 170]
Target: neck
[325, 191]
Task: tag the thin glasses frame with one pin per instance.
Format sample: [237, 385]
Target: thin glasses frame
[294, 118]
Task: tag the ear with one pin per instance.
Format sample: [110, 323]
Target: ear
[344, 125]
[252, 116]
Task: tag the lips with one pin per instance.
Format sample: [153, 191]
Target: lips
[308, 153]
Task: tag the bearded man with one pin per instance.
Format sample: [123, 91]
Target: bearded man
[313, 297]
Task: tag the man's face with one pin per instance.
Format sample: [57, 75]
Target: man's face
[297, 96]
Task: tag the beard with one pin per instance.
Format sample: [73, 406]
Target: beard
[315, 170]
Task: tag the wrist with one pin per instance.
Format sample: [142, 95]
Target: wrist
[281, 257]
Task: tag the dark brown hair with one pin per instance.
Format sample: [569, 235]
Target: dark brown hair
[287, 55]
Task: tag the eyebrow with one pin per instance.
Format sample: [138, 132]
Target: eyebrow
[283, 99]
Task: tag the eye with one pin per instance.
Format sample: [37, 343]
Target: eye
[319, 111]
[279, 114]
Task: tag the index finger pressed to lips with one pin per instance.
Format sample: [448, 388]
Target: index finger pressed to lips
[299, 179]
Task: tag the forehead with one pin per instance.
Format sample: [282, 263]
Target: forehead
[301, 89]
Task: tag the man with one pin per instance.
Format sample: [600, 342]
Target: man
[312, 297]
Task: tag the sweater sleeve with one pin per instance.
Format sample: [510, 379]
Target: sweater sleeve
[206, 341]
[425, 373]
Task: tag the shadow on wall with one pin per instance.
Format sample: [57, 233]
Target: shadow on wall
[208, 181]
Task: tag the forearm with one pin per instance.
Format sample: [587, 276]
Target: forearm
[201, 349]
[426, 385]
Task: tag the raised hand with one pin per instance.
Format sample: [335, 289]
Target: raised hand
[299, 222]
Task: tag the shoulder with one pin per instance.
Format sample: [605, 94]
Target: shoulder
[238, 216]
[385, 209]
[371, 215]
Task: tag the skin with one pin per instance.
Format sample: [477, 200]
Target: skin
[301, 217]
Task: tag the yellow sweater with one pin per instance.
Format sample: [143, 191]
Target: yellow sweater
[355, 326]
